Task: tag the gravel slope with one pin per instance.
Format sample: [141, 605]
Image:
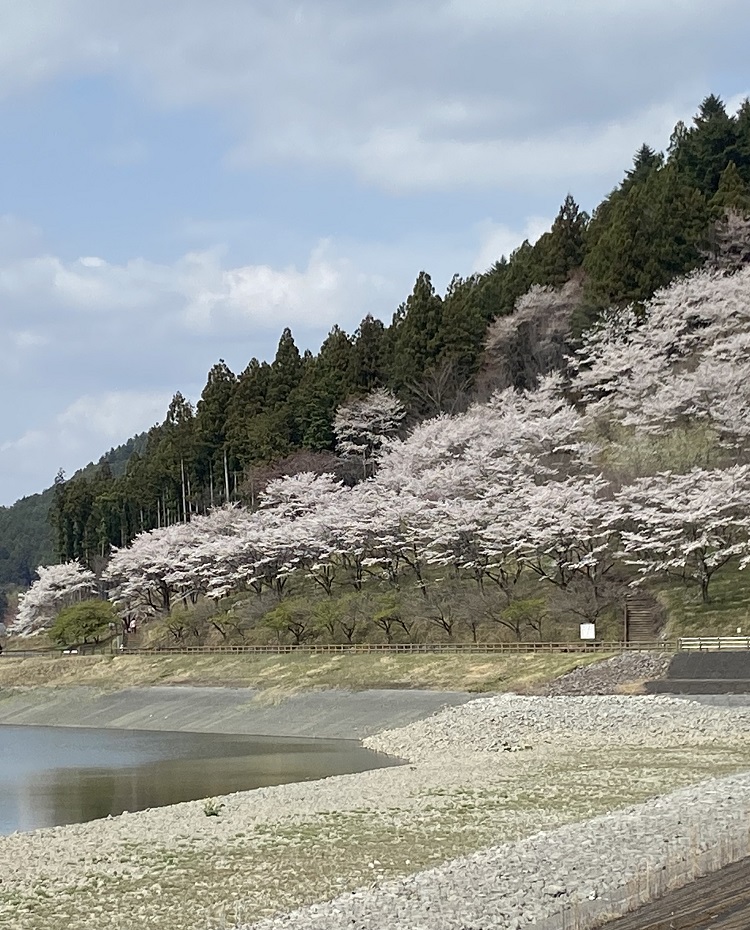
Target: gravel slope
[586, 869]
[487, 775]
[611, 675]
[572, 877]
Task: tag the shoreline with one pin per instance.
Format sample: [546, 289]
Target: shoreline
[480, 775]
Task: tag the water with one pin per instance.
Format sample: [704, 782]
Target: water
[57, 775]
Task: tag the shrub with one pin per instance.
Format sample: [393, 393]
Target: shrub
[86, 622]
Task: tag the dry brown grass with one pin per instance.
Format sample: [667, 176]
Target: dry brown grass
[288, 674]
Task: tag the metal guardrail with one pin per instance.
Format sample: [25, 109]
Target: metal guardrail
[713, 643]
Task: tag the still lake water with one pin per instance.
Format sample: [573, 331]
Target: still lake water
[57, 775]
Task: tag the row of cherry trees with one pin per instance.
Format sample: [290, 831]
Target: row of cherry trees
[520, 487]
[669, 214]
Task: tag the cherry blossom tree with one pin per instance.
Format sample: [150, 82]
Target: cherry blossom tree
[476, 539]
[565, 529]
[294, 495]
[682, 359]
[362, 425]
[58, 586]
[566, 535]
[341, 535]
[471, 455]
[687, 525]
[146, 577]
[399, 544]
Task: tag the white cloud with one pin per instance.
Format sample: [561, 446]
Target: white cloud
[107, 418]
[426, 95]
[196, 291]
[125, 153]
[27, 339]
[18, 238]
[734, 102]
[403, 161]
[32, 440]
[84, 332]
[259, 294]
[44, 39]
[111, 417]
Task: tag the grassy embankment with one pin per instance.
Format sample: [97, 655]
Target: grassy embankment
[288, 674]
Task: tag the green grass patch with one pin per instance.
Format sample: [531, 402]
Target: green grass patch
[727, 610]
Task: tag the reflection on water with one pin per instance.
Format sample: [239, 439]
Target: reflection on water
[56, 775]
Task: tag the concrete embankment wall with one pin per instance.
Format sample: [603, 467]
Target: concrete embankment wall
[720, 672]
[332, 714]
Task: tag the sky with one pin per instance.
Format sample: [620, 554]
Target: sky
[181, 180]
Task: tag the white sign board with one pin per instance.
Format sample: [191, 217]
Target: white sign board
[588, 631]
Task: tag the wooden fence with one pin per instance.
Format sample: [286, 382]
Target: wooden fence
[584, 647]
[405, 648]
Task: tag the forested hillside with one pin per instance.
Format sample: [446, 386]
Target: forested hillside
[520, 517]
[440, 356]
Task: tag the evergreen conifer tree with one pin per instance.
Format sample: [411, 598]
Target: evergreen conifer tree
[703, 151]
[286, 371]
[652, 233]
[416, 333]
[733, 192]
[211, 426]
[561, 249]
[369, 357]
[248, 403]
[740, 153]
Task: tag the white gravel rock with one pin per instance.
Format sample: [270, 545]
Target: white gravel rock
[535, 880]
[585, 865]
[608, 676]
[514, 722]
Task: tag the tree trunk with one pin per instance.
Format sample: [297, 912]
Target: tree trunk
[184, 491]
